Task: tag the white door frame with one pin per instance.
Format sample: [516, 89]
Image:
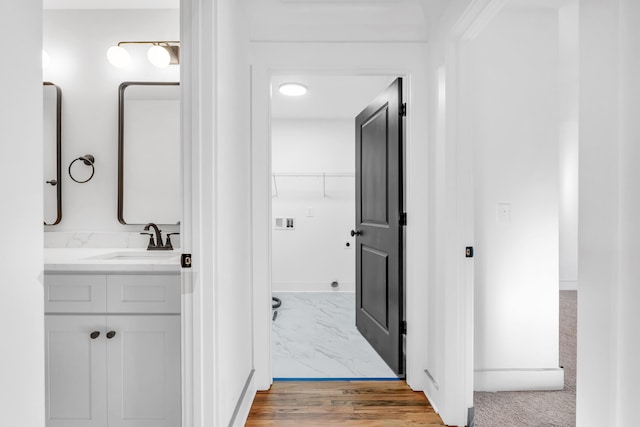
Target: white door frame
[271, 59]
[200, 400]
[450, 70]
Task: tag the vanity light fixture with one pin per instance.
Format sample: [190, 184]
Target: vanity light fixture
[292, 89]
[160, 54]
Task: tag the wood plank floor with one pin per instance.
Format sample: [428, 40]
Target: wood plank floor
[342, 403]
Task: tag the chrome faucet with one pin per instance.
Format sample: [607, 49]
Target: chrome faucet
[157, 244]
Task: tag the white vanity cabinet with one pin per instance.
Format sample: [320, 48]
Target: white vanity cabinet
[112, 350]
[76, 371]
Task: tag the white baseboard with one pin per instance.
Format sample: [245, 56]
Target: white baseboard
[568, 285]
[519, 380]
[312, 287]
[243, 407]
[431, 401]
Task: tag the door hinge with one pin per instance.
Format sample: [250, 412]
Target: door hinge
[403, 218]
[403, 109]
[185, 260]
[403, 327]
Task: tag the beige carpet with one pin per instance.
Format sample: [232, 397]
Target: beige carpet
[538, 409]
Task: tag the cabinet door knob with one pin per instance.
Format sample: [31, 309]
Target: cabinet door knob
[111, 334]
[94, 335]
[355, 233]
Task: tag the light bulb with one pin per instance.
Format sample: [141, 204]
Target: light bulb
[46, 60]
[159, 56]
[118, 56]
[292, 89]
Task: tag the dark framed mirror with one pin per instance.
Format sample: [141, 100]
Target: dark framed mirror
[52, 153]
[149, 167]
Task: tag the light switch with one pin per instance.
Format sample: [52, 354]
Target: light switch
[309, 211]
[503, 213]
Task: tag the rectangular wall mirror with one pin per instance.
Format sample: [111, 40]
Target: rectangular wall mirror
[149, 170]
[52, 153]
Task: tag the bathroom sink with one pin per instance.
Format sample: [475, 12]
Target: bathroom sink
[138, 256]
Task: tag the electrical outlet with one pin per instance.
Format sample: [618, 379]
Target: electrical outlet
[286, 223]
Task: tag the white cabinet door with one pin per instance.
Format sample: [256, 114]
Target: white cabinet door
[143, 362]
[76, 371]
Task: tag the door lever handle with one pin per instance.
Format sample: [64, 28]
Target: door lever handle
[356, 233]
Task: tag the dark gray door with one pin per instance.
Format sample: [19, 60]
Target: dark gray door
[379, 282]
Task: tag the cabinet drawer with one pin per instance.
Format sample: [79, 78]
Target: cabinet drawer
[143, 294]
[75, 293]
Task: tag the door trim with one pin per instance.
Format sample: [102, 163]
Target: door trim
[452, 391]
[407, 60]
[199, 401]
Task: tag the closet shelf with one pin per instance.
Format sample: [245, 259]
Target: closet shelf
[323, 175]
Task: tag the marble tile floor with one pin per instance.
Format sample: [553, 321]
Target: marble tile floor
[314, 336]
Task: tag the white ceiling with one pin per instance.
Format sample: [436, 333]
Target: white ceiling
[336, 20]
[303, 20]
[544, 4]
[327, 96]
[110, 4]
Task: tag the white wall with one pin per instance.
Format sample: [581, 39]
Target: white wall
[608, 340]
[232, 213]
[77, 41]
[21, 297]
[515, 128]
[314, 254]
[568, 94]
[628, 316]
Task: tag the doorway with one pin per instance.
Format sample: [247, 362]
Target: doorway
[109, 120]
[274, 59]
[522, 108]
[312, 212]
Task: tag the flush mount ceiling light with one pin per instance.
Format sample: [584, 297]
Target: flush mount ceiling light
[292, 89]
[160, 54]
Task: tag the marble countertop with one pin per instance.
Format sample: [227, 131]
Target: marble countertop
[110, 260]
